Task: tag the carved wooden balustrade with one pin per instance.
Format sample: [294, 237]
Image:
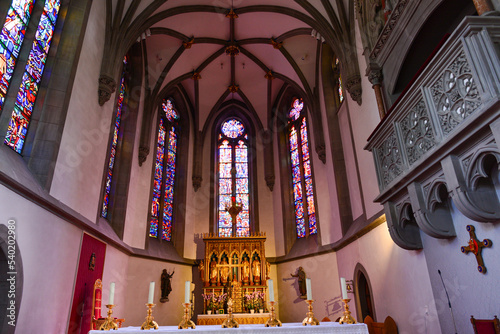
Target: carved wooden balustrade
[441, 139]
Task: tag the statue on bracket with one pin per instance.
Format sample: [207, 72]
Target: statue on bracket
[166, 285]
[301, 275]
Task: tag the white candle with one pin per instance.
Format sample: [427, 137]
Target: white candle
[151, 292]
[111, 299]
[271, 290]
[344, 288]
[308, 289]
[187, 290]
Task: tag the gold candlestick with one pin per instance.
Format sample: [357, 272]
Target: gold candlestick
[149, 323]
[109, 322]
[347, 318]
[273, 321]
[230, 322]
[186, 319]
[310, 319]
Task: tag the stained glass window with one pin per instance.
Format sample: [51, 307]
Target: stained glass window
[162, 206]
[11, 39]
[26, 96]
[114, 143]
[233, 179]
[341, 90]
[302, 184]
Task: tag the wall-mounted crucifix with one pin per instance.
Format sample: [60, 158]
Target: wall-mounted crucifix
[476, 247]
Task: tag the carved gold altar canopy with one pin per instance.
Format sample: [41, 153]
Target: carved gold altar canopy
[235, 265]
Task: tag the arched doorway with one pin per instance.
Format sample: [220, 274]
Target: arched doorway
[364, 296]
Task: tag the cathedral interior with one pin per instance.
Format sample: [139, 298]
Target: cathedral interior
[285, 150]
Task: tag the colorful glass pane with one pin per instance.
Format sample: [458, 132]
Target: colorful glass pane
[224, 232]
[241, 152]
[29, 85]
[7, 64]
[153, 228]
[232, 128]
[312, 224]
[305, 151]
[169, 110]
[224, 200]
[295, 157]
[114, 144]
[293, 139]
[242, 186]
[241, 170]
[166, 232]
[243, 200]
[301, 228]
[225, 170]
[158, 177]
[225, 219]
[26, 95]
[296, 174]
[307, 168]
[44, 32]
[11, 39]
[225, 152]
[297, 106]
[172, 141]
[23, 9]
[309, 187]
[168, 198]
[52, 8]
[13, 32]
[303, 131]
[297, 192]
[16, 130]
[225, 186]
[310, 205]
[341, 91]
[243, 224]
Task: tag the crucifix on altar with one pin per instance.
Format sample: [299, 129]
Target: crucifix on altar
[233, 208]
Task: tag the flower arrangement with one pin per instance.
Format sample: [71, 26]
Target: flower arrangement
[210, 300]
[213, 301]
[254, 300]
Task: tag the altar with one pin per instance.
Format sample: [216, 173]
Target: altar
[241, 318]
[234, 267]
[324, 327]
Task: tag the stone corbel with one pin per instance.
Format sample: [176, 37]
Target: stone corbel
[481, 205]
[434, 221]
[320, 150]
[143, 154]
[107, 86]
[353, 86]
[403, 229]
[196, 182]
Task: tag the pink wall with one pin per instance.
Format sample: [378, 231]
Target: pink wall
[49, 249]
[322, 270]
[399, 280]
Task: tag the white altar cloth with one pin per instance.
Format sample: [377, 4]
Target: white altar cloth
[324, 327]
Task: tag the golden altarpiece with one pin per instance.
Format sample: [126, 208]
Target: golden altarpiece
[236, 266]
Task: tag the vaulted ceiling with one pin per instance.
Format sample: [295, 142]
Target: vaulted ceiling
[231, 47]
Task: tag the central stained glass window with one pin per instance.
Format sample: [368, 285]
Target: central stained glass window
[162, 206]
[233, 179]
[302, 183]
